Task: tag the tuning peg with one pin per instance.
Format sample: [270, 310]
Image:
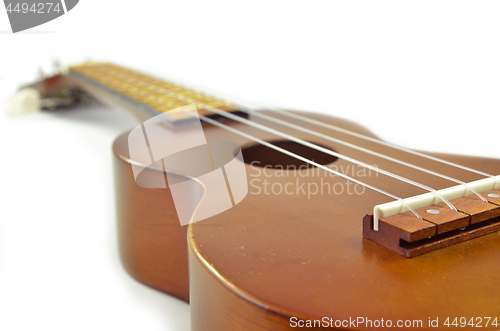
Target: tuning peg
[27, 100]
[41, 74]
[58, 69]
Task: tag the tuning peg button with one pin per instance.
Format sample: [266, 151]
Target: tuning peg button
[25, 101]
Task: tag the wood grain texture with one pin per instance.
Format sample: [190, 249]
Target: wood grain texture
[410, 228]
[451, 238]
[493, 196]
[476, 208]
[447, 219]
[273, 256]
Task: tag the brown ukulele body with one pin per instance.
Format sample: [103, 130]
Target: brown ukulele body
[277, 256]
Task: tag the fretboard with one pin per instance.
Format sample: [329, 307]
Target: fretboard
[143, 95]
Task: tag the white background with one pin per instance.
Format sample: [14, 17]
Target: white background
[424, 74]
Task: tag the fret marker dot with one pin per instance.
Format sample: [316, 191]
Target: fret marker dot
[433, 211]
[494, 195]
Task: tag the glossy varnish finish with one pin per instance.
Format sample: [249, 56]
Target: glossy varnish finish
[151, 241]
[279, 255]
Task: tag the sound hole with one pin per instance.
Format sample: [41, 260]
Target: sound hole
[263, 156]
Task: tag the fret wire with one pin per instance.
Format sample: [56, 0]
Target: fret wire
[133, 85]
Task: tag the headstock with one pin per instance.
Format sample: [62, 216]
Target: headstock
[49, 92]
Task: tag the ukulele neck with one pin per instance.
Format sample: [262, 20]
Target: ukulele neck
[141, 95]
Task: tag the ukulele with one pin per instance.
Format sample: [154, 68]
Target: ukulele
[338, 229]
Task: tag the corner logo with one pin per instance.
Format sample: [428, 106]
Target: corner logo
[25, 14]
